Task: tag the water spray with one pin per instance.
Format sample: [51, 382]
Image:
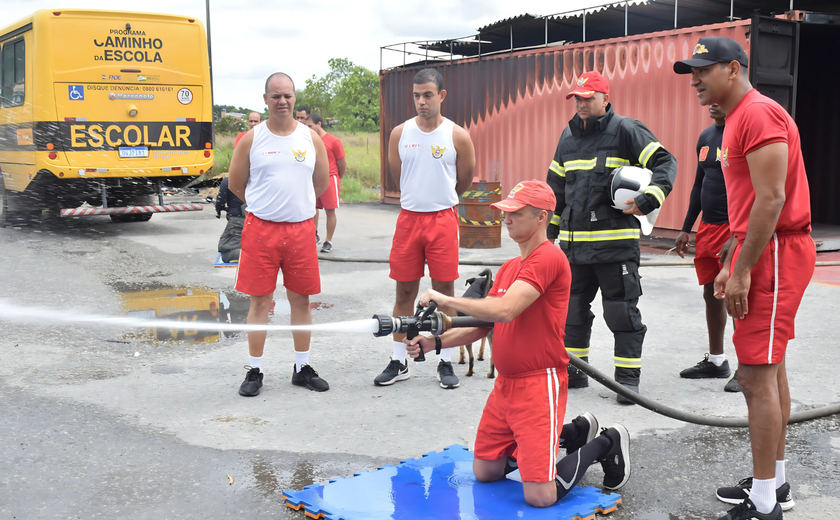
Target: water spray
[424, 320]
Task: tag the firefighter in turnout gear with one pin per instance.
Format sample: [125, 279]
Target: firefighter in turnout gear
[601, 242]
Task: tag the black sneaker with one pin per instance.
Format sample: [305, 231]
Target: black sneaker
[447, 376]
[395, 371]
[732, 385]
[707, 370]
[747, 511]
[317, 238]
[587, 426]
[326, 247]
[741, 491]
[252, 384]
[309, 378]
[577, 379]
[623, 400]
[616, 462]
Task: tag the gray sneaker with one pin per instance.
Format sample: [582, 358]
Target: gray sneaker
[447, 376]
[327, 247]
[732, 385]
[395, 371]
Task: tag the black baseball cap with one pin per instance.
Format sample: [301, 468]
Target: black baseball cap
[709, 51]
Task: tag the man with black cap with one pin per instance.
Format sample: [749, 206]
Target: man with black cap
[601, 242]
[523, 417]
[769, 266]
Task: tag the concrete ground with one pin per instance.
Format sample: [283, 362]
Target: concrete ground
[100, 423]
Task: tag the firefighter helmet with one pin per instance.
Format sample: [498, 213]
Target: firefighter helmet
[627, 183]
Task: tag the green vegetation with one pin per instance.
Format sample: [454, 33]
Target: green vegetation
[229, 125]
[361, 180]
[348, 93]
[223, 153]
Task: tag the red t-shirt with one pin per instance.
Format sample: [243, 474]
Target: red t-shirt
[335, 151]
[534, 340]
[755, 122]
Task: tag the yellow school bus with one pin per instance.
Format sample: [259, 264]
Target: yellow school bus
[100, 109]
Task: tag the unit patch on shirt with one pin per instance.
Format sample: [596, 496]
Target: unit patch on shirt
[437, 151]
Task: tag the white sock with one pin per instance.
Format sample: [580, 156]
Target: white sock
[717, 359]
[301, 358]
[780, 473]
[256, 362]
[763, 495]
[446, 354]
[399, 351]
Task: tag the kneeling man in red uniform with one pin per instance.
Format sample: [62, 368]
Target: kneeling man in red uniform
[522, 423]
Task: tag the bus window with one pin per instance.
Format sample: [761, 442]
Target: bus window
[13, 74]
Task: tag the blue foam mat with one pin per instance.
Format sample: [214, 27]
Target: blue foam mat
[219, 263]
[440, 486]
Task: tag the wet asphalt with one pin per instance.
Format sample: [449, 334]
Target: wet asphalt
[102, 423]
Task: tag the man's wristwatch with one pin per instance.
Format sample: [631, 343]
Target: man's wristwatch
[438, 345]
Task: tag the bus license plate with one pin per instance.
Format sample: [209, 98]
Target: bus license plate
[133, 151]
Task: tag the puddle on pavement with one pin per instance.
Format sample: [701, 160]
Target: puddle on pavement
[266, 478]
[184, 303]
[302, 475]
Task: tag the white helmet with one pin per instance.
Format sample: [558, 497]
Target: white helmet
[627, 183]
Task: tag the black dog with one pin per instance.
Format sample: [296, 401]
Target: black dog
[479, 287]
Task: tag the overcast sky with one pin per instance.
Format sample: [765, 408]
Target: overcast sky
[253, 38]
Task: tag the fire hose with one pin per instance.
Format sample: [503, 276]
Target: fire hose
[424, 320]
[430, 320]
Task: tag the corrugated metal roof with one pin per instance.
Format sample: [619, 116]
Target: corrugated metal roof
[608, 21]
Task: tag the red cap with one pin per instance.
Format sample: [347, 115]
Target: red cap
[588, 84]
[528, 193]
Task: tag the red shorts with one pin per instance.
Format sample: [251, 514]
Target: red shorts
[271, 246]
[523, 418]
[329, 199]
[710, 240]
[777, 284]
[422, 238]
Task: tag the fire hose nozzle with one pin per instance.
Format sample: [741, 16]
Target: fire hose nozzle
[387, 325]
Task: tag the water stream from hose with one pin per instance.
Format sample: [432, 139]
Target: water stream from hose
[10, 312]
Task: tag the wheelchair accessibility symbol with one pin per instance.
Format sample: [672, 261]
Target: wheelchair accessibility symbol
[76, 92]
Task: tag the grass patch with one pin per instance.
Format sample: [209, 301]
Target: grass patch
[361, 180]
[223, 153]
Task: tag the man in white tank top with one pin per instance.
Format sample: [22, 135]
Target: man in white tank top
[433, 160]
[278, 169]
